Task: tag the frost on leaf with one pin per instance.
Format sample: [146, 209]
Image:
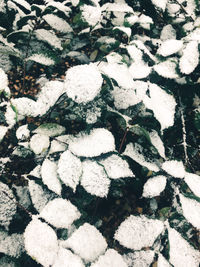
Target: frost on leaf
[139, 258]
[60, 213]
[48, 37]
[4, 80]
[41, 242]
[39, 197]
[7, 205]
[193, 181]
[57, 23]
[42, 59]
[110, 259]
[181, 253]
[12, 245]
[170, 47]
[87, 242]
[39, 143]
[137, 232]
[23, 132]
[50, 129]
[157, 143]
[139, 70]
[91, 14]
[49, 176]
[160, 4]
[116, 167]
[168, 32]
[94, 179]
[174, 168]
[66, 258]
[154, 186]
[99, 141]
[83, 83]
[191, 210]
[3, 130]
[69, 169]
[162, 262]
[190, 58]
[167, 69]
[135, 151]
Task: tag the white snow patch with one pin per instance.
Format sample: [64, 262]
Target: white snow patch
[94, 179]
[191, 210]
[12, 245]
[139, 70]
[110, 259]
[157, 143]
[116, 167]
[66, 258]
[3, 130]
[167, 69]
[174, 168]
[49, 176]
[193, 181]
[139, 258]
[60, 213]
[117, 7]
[91, 14]
[99, 141]
[170, 47]
[168, 32]
[162, 262]
[69, 169]
[4, 80]
[23, 132]
[160, 4]
[49, 37]
[41, 242]
[154, 186]
[137, 232]
[87, 242]
[41, 59]
[57, 23]
[39, 143]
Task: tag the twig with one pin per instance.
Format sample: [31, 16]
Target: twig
[184, 10]
[123, 139]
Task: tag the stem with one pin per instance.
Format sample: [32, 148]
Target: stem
[184, 10]
[123, 140]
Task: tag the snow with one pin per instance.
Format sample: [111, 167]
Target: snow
[193, 181]
[160, 4]
[24, 4]
[87, 242]
[23, 132]
[3, 130]
[174, 168]
[66, 258]
[7, 205]
[4, 80]
[110, 259]
[168, 32]
[98, 141]
[117, 7]
[170, 47]
[167, 69]
[139, 70]
[50, 129]
[42, 59]
[162, 262]
[91, 14]
[116, 167]
[49, 37]
[57, 23]
[12, 245]
[69, 169]
[137, 232]
[139, 258]
[94, 179]
[125, 30]
[154, 186]
[190, 58]
[39, 143]
[191, 210]
[41, 242]
[60, 6]
[83, 83]
[60, 213]
[157, 143]
[135, 151]
[49, 176]
[24, 106]
[181, 252]
[145, 21]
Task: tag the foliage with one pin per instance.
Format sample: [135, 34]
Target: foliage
[107, 161]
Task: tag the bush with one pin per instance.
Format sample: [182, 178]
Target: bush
[99, 165]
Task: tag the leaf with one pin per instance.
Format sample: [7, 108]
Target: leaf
[193, 181]
[66, 256]
[137, 232]
[42, 59]
[41, 242]
[24, 20]
[138, 130]
[60, 213]
[110, 258]
[57, 23]
[15, 36]
[154, 186]
[197, 120]
[174, 168]
[49, 37]
[50, 129]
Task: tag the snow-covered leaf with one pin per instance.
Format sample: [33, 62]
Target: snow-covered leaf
[6, 261]
[191, 210]
[42, 59]
[60, 213]
[157, 143]
[139, 258]
[181, 253]
[193, 181]
[3, 130]
[12, 245]
[91, 14]
[162, 262]
[154, 186]
[50, 129]
[7, 205]
[57, 23]
[116, 167]
[167, 69]
[41, 242]
[39, 143]
[125, 30]
[160, 4]
[48, 37]
[170, 47]
[69, 169]
[174, 168]
[137, 232]
[190, 58]
[49, 176]
[23, 132]
[168, 32]
[99, 141]
[83, 83]
[135, 151]
[87, 242]
[139, 70]
[66, 258]
[110, 259]
[94, 179]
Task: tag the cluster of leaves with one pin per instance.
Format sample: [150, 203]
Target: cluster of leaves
[123, 130]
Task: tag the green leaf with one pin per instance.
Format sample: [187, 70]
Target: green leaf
[138, 130]
[16, 112]
[197, 121]
[24, 20]
[14, 37]
[6, 50]
[50, 129]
